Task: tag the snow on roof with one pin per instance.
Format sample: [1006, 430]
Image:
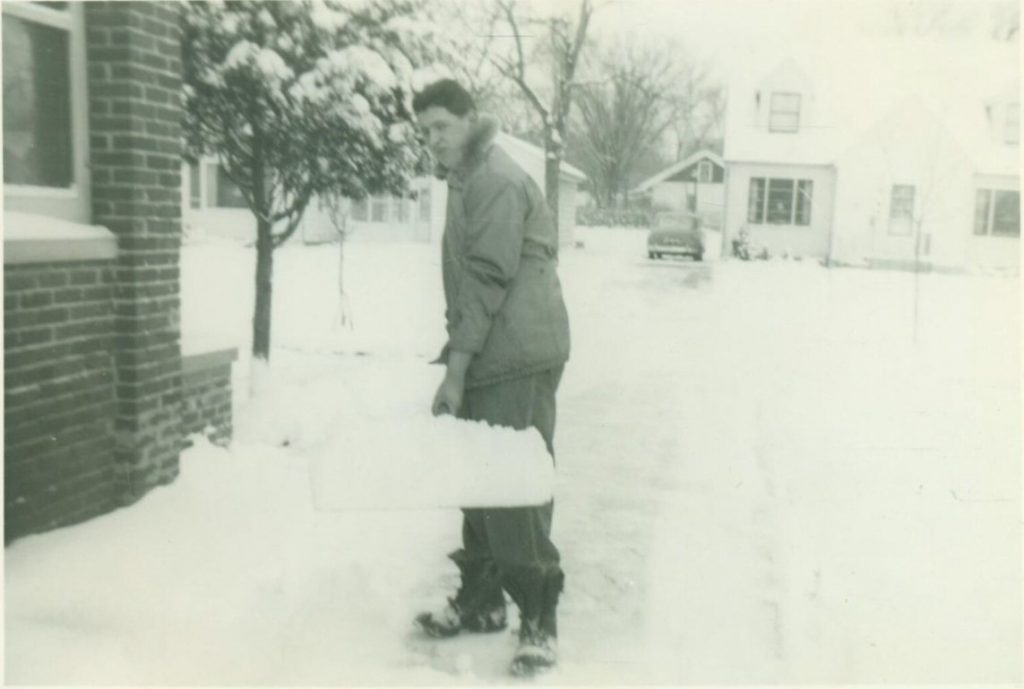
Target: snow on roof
[856, 83]
[568, 171]
[676, 167]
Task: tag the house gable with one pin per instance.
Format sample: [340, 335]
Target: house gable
[695, 172]
[784, 99]
[686, 170]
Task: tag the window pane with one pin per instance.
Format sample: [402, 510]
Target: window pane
[780, 201]
[755, 201]
[901, 209]
[400, 209]
[1006, 215]
[425, 204]
[379, 209]
[195, 192]
[902, 203]
[359, 210]
[785, 113]
[37, 104]
[228, 195]
[982, 205]
[804, 194]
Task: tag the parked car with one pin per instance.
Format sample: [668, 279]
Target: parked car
[676, 234]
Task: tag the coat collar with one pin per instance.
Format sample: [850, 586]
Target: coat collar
[481, 138]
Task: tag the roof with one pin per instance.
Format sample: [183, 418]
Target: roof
[676, 167]
[953, 80]
[512, 143]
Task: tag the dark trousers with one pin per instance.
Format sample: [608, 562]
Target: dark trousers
[510, 547]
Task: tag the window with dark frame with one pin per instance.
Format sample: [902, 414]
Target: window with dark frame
[360, 209]
[901, 209]
[779, 201]
[997, 213]
[785, 113]
[228, 193]
[37, 104]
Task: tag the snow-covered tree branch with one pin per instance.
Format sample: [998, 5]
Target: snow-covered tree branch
[299, 99]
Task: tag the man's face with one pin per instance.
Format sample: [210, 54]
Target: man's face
[446, 134]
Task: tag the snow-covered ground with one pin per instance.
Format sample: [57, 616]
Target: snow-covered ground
[766, 474]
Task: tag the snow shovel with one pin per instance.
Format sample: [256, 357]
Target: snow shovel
[431, 463]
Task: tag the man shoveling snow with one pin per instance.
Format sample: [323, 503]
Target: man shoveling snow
[508, 341]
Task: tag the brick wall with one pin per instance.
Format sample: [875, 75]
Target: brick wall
[134, 84]
[58, 394]
[206, 397]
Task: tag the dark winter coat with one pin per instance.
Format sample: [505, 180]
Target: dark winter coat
[499, 259]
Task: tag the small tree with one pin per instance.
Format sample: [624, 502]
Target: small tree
[337, 211]
[298, 99]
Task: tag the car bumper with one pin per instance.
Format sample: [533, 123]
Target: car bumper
[676, 250]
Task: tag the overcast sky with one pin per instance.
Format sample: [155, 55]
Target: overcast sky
[724, 31]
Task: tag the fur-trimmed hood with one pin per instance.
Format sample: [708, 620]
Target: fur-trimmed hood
[481, 137]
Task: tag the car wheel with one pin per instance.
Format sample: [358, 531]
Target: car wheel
[698, 257]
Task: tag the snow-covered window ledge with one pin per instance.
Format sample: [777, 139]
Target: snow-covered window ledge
[193, 361]
[31, 238]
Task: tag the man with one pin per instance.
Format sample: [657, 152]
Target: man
[508, 341]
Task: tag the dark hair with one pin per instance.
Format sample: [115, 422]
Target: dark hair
[447, 94]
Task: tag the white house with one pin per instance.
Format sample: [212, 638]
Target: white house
[907, 153]
[695, 184]
[213, 205]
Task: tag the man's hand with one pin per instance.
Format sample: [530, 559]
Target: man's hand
[448, 399]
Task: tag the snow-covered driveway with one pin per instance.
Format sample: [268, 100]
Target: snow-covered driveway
[765, 475]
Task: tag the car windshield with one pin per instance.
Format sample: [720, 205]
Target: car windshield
[675, 222]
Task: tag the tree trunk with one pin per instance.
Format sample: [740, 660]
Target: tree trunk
[552, 167]
[264, 289]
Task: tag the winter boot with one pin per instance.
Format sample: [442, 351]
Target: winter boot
[537, 596]
[537, 651]
[479, 605]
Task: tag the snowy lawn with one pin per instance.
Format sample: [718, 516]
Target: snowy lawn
[765, 475]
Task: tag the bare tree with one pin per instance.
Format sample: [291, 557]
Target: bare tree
[699, 108]
[622, 114]
[564, 41]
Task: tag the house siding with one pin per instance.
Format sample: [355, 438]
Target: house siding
[907, 147]
[316, 227]
[796, 240]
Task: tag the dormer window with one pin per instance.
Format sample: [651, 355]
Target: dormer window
[785, 113]
[1011, 132]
